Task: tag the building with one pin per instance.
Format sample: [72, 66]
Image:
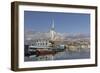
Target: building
[46, 41]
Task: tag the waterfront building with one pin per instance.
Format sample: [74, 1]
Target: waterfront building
[45, 42]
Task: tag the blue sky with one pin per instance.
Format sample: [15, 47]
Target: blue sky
[64, 22]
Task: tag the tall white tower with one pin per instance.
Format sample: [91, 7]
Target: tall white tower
[52, 32]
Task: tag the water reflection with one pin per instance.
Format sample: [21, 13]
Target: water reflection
[64, 55]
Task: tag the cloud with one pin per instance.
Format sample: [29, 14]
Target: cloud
[32, 35]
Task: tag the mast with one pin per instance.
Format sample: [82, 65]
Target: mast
[52, 32]
[52, 24]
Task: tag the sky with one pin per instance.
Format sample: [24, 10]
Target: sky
[64, 22]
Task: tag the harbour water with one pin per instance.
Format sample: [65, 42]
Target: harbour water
[65, 55]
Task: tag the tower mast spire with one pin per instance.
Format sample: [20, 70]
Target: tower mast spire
[52, 32]
[52, 24]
